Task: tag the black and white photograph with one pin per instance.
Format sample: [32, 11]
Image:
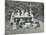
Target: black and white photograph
[23, 17]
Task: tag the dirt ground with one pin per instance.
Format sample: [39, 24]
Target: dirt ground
[9, 30]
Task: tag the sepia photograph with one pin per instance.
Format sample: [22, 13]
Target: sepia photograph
[23, 17]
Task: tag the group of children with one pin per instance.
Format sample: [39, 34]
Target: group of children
[20, 21]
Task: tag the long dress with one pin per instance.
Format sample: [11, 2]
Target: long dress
[32, 16]
[12, 18]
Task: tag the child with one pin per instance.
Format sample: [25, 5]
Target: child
[31, 14]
